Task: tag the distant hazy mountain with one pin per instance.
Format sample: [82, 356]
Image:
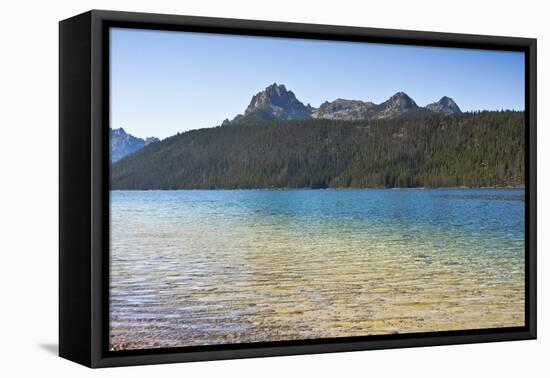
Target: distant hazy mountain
[122, 143]
[277, 103]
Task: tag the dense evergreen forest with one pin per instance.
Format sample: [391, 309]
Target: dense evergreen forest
[483, 149]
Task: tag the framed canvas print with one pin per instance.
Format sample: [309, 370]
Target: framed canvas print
[234, 188]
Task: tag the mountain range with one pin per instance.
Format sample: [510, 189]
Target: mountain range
[278, 142]
[277, 103]
[122, 144]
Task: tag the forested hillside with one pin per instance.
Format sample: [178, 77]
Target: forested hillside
[471, 149]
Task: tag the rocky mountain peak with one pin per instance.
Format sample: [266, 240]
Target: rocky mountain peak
[400, 104]
[276, 89]
[342, 109]
[119, 132]
[445, 105]
[402, 100]
[276, 102]
[122, 144]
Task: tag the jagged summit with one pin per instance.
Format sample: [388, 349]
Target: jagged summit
[275, 102]
[122, 144]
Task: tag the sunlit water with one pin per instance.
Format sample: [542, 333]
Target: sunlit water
[214, 267]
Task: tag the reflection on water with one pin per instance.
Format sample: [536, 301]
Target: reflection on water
[214, 267]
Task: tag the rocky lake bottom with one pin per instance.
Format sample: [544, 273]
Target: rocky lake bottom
[191, 268]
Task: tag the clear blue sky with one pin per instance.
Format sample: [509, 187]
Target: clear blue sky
[168, 82]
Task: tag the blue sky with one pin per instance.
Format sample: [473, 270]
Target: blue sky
[167, 82]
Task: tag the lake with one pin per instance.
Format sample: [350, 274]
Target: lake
[204, 267]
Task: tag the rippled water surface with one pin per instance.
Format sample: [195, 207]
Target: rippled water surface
[215, 267]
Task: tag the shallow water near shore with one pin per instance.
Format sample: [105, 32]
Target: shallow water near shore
[206, 267]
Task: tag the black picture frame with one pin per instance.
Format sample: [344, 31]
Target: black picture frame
[84, 186]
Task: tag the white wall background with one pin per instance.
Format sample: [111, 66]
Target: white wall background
[28, 192]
